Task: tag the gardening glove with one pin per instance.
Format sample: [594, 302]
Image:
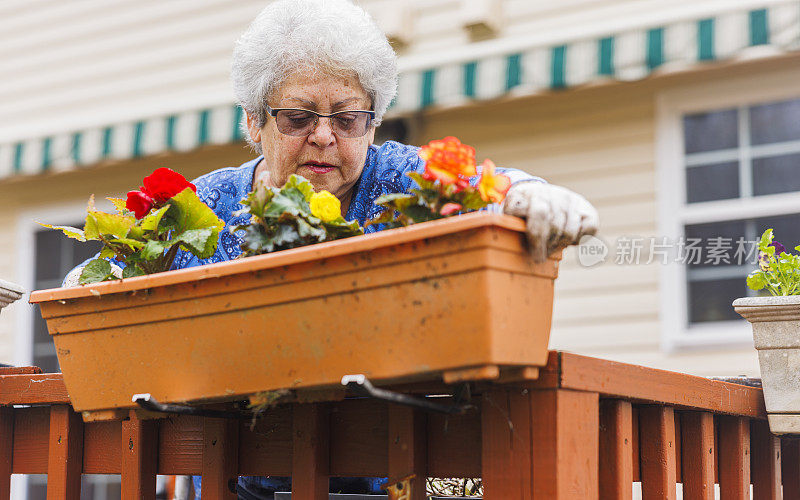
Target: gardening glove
[555, 216]
[74, 275]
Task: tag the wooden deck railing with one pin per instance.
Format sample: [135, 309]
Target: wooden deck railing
[586, 428]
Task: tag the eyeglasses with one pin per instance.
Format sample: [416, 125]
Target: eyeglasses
[302, 122]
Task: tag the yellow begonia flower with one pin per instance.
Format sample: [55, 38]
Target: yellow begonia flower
[492, 188]
[325, 206]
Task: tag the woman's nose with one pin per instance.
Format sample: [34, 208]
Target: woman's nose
[322, 135]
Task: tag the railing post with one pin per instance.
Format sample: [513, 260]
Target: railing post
[734, 457]
[657, 451]
[408, 452]
[616, 449]
[565, 435]
[139, 458]
[766, 462]
[65, 454]
[310, 451]
[697, 448]
[220, 458]
[790, 467]
[506, 444]
[6, 450]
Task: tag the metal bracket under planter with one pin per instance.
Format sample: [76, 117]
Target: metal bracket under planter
[147, 402]
[360, 385]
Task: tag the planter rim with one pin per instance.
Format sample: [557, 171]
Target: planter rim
[9, 292]
[779, 300]
[317, 251]
[768, 309]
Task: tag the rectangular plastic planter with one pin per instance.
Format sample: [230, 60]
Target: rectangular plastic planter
[402, 304]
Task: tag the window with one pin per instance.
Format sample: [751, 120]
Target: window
[742, 152]
[54, 256]
[728, 168]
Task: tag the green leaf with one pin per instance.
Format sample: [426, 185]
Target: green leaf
[419, 213]
[201, 242]
[121, 205]
[69, 231]
[95, 271]
[289, 202]
[397, 201]
[766, 239]
[187, 212]
[132, 270]
[306, 230]
[471, 199]
[421, 182]
[136, 233]
[134, 244]
[154, 249]
[255, 241]
[101, 223]
[345, 230]
[301, 184]
[107, 253]
[256, 200]
[150, 222]
[756, 280]
[286, 236]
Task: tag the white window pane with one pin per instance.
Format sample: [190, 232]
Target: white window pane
[715, 235]
[775, 122]
[712, 182]
[711, 131]
[711, 300]
[776, 174]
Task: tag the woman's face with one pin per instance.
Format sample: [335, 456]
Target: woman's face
[328, 161]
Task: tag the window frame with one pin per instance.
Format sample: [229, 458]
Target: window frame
[674, 213]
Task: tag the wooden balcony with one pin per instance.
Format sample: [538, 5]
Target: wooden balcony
[586, 428]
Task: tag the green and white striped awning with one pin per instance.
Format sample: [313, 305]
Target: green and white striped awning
[623, 56]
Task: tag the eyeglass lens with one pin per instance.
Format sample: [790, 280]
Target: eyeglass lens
[299, 122]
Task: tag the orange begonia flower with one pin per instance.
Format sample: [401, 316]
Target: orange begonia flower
[447, 160]
[493, 188]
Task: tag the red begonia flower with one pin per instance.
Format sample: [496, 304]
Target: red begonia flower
[164, 183]
[139, 203]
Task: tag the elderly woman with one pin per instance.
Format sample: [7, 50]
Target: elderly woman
[315, 78]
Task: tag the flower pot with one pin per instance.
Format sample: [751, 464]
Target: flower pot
[402, 304]
[9, 292]
[776, 335]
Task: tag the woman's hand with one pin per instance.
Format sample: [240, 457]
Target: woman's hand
[556, 217]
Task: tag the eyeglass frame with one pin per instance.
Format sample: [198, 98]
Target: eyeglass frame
[273, 112]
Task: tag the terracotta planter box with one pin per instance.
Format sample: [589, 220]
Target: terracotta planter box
[397, 305]
[776, 335]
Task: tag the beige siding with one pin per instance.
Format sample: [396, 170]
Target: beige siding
[88, 63]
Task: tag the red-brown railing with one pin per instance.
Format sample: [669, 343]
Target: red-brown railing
[586, 428]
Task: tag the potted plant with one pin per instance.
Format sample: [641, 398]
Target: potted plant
[9, 292]
[447, 296]
[775, 319]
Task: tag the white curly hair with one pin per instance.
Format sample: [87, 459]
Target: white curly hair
[330, 36]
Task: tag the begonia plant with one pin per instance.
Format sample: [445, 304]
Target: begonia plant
[147, 230]
[444, 189]
[778, 270]
[290, 217]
